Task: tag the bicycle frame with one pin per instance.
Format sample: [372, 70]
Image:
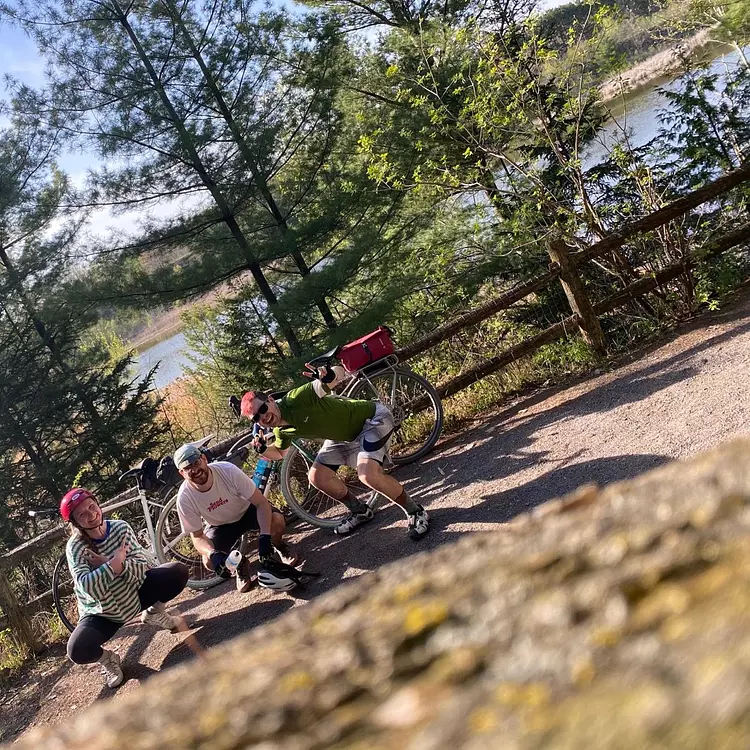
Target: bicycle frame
[149, 506]
[386, 364]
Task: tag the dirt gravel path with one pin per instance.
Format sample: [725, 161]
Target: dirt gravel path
[671, 400]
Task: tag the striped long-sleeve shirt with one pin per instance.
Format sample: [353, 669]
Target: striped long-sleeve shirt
[98, 590]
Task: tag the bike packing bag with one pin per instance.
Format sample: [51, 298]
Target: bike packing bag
[167, 472]
[148, 479]
[370, 348]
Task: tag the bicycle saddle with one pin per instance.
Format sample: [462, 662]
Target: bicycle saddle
[203, 442]
[323, 359]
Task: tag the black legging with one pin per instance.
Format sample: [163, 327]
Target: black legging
[161, 585]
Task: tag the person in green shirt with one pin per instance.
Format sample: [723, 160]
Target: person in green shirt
[355, 433]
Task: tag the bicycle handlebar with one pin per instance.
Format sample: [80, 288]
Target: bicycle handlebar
[37, 512]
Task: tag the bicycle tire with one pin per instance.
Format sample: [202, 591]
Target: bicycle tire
[399, 380]
[172, 545]
[307, 502]
[65, 601]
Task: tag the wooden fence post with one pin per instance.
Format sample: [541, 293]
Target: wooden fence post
[579, 301]
[18, 622]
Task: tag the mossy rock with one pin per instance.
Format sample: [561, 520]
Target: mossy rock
[612, 619]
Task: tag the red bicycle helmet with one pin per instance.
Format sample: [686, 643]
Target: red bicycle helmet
[72, 499]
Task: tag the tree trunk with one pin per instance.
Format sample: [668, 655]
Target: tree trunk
[255, 169]
[37, 460]
[19, 623]
[89, 407]
[218, 197]
[580, 303]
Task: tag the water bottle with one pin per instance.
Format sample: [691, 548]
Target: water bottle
[262, 473]
[233, 560]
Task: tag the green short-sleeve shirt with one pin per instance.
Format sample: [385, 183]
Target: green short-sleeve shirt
[327, 418]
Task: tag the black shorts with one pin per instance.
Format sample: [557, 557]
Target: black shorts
[224, 537]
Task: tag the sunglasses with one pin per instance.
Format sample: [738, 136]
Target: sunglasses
[262, 409]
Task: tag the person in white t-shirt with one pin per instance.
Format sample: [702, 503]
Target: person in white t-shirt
[217, 503]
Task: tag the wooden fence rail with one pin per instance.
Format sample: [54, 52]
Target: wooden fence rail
[664, 215]
[584, 317]
[614, 241]
[558, 330]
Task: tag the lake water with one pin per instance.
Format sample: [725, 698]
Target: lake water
[172, 357]
[637, 115]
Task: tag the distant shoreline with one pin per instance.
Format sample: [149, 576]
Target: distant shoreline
[154, 336]
[662, 66]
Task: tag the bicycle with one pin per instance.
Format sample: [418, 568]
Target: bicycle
[418, 415]
[158, 501]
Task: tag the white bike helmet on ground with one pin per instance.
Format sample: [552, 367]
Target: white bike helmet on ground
[279, 576]
[275, 580]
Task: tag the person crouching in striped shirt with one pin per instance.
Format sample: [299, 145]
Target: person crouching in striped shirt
[114, 580]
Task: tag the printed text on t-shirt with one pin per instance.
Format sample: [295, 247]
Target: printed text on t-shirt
[217, 504]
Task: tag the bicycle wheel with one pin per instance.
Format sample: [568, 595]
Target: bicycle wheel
[62, 594]
[174, 545]
[416, 408]
[307, 502]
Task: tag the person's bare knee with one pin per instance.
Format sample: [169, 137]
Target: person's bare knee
[326, 480]
[370, 473]
[320, 475]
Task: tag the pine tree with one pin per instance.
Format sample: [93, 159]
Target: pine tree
[64, 412]
[194, 104]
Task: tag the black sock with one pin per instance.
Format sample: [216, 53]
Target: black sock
[407, 503]
[354, 504]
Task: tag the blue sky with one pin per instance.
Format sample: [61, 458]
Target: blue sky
[20, 60]
[18, 56]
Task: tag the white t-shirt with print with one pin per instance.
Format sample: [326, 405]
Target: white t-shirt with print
[226, 501]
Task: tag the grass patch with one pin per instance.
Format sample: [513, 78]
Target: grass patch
[13, 655]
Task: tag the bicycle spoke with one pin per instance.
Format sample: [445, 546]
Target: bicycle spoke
[306, 501]
[177, 546]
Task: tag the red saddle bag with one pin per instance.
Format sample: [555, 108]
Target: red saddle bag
[370, 348]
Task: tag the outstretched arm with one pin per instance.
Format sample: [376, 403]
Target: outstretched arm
[325, 378]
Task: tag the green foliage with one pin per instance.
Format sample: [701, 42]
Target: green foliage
[104, 337]
[715, 281]
[68, 409]
[633, 30]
